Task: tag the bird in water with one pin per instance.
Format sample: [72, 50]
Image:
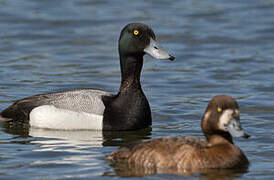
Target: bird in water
[220, 122]
[96, 109]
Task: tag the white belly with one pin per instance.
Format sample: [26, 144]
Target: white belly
[50, 117]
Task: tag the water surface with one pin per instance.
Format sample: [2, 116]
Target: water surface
[221, 47]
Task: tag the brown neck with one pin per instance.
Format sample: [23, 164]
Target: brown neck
[215, 139]
[210, 129]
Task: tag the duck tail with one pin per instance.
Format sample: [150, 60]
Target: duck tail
[119, 155]
[4, 119]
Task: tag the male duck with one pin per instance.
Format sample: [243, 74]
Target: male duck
[96, 109]
[220, 122]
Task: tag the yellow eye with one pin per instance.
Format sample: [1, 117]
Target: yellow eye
[135, 32]
[219, 109]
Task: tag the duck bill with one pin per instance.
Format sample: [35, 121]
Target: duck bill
[235, 129]
[155, 50]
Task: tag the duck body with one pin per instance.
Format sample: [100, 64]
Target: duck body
[60, 110]
[70, 110]
[96, 109]
[177, 154]
[181, 153]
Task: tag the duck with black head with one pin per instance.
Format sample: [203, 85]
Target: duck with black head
[96, 109]
[220, 122]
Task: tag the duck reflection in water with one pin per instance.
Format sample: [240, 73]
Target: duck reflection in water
[93, 138]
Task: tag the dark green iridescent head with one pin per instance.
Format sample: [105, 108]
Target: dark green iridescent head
[137, 39]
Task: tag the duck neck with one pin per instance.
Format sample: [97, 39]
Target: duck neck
[219, 138]
[131, 67]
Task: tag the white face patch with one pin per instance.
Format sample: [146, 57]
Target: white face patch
[207, 114]
[237, 112]
[224, 119]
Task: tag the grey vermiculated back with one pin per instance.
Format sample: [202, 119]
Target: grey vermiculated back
[85, 100]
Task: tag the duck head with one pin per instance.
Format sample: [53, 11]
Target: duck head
[222, 117]
[137, 39]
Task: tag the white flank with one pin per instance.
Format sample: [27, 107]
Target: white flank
[50, 117]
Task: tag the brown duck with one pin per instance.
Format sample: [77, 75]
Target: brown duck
[220, 122]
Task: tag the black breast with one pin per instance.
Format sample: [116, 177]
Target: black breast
[126, 111]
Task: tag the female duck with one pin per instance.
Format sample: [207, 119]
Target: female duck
[96, 109]
[220, 122]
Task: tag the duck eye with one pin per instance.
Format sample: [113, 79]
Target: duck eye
[135, 32]
[219, 109]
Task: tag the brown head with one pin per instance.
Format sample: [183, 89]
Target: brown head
[222, 118]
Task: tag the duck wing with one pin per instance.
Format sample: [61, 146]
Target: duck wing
[84, 100]
[155, 152]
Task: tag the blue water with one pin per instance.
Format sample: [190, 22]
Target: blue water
[221, 47]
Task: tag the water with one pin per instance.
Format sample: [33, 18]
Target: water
[221, 47]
